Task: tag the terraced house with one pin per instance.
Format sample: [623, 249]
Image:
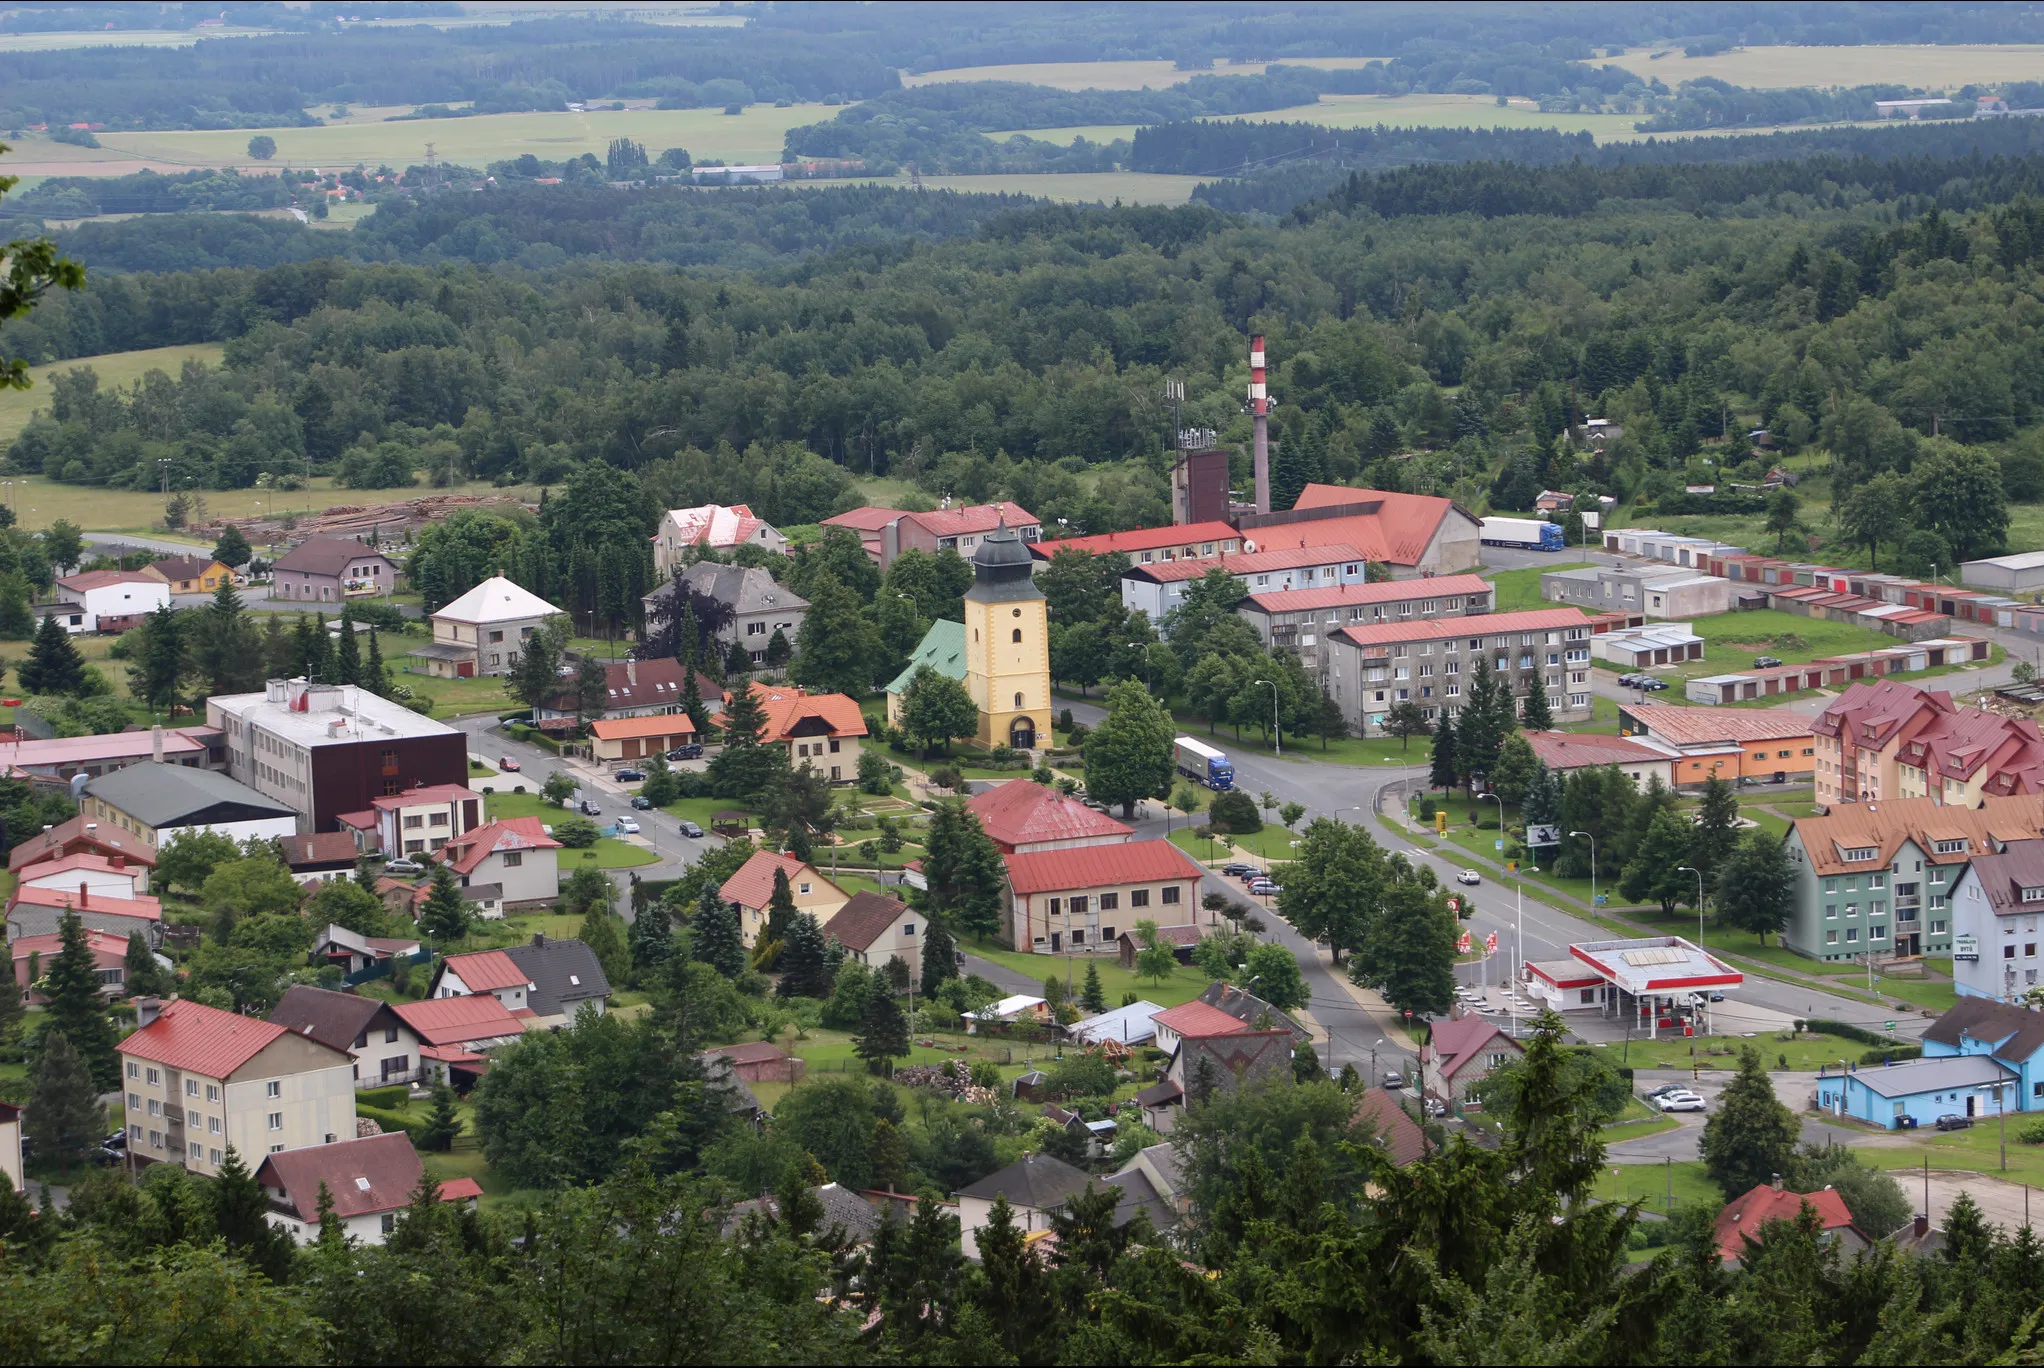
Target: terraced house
[1878, 878]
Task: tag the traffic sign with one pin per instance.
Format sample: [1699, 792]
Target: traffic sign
[1499, 844]
[1887, 1025]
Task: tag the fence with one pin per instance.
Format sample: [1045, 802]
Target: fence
[381, 968]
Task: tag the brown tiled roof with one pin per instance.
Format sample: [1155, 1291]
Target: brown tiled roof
[71, 831]
[366, 1176]
[750, 1052]
[1392, 1127]
[753, 884]
[861, 921]
[182, 567]
[1745, 1216]
[1024, 812]
[1568, 750]
[1707, 726]
[1882, 827]
[1457, 1042]
[322, 847]
[333, 1019]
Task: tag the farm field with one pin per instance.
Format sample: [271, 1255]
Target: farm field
[1133, 75]
[1928, 66]
[81, 38]
[755, 135]
[115, 370]
[39, 502]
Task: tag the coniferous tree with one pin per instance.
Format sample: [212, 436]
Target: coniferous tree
[241, 1214]
[652, 939]
[1445, 771]
[1537, 714]
[143, 975]
[715, 936]
[156, 677]
[443, 1126]
[1092, 996]
[64, 1117]
[805, 971]
[692, 701]
[325, 667]
[836, 645]
[940, 955]
[688, 636]
[444, 916]
[225, 648]
[375, 674]
[963, 870]
[883, 1031]
[603, 933]
[77, 1007]
[1018, 1300]
[780, 914]
[233, 550]
[1716, 831]
[54, 666]
[1751, 1135]
[17, 619]
[12, 1013]
[347, 650]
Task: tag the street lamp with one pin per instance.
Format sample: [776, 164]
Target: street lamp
[1690, 869]
[1519, 916]
[1277, 739]
[1593, 868]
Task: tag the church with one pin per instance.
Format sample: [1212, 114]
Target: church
[1001, 652]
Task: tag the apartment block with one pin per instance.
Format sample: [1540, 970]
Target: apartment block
[1301, 620]
[1371, 669]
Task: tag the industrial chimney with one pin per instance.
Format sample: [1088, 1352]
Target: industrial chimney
[1259, 410]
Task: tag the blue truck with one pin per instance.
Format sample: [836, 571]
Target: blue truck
[1530, 534]
[1202, 763]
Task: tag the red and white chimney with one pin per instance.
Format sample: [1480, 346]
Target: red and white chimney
[1259, 412]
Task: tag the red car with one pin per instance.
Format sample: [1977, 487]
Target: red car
[507, 764]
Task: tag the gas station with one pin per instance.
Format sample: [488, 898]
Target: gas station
[1651, 984]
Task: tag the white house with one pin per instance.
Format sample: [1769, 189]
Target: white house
[515, 854]
[100, 875]
[107, 600]
[717, 527]
[417, 821]
[484, 631]
[552, 980]
[370, 1180]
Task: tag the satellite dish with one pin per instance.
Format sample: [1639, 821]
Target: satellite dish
[1249, 545]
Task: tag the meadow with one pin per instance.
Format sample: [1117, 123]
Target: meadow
[1133, 75]
[81, 38]
[1129, 187]
[116, 370]
[1928, 66]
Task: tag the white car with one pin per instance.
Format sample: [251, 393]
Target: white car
[1680, 1102]
[1469, 876]
[627, 827]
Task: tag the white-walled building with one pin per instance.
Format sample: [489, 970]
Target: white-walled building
[484, 631]
[370, 1180]
[157, 803]
[107, 600]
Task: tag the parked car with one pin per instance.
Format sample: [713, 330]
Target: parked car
[1436, 1108]
[1469, 876]
[508, 765]
[692, 830]
[627, 827]
[692, 751]
[402, 866]
[1651, 1093]
[588, 808]
[1680, 1102]
[117, 1140]
[629, 776]
[1394, 1081]
[642, 804]
[1952, 1121]
[1765, 662]
[1235, 869]
[1264, 888]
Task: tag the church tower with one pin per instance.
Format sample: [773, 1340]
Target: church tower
[1007, 644]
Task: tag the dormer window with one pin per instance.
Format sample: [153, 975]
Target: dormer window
[2031, 895]
[1956, 847]
[1856, 853]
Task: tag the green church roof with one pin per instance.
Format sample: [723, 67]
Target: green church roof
[942, 649]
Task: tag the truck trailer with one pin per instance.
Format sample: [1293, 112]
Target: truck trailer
[1530, 534]
[1202, 763]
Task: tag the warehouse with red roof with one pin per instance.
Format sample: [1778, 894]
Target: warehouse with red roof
[1082, 899]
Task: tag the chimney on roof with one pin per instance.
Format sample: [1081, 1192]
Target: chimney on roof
[84, 893]
[156, 744]
[147, 1009]
[539, 940]
[1259, 410]
[1920, 1227]
[631, 672]
[1777, 1182]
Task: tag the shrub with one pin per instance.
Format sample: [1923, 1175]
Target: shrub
[393, 1122]
[385, 1099]
[1845, 1030]
[576, 833]
[2030, 1133]
[1427, 808]
[1891, 1054]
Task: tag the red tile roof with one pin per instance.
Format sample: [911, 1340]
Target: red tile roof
[1024, 812]
[460, 1190]
[1352, 595]
[1134, 862]
[1681, 726]
[205, 1040]
[457, 1020]
[717, 525]
[786, 707]
[1142, 539]
[98, 942]
[1568, 750]
[1482, 625]
[1199, 1020]
[1389, 526]
[867, 519]
[1392, 1126]
[322, 847]
[365, 1176]
[88, 860]
[485, 971]
[464, 853]
[141, 905]
[635, 728]
[71, 832]
[753, 884]
[959, 522]
[1745, 1216]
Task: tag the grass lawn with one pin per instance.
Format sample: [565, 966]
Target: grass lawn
[1347, 750]
[701, 810]
[1273, 844]
[476, 771]
[1650, 1184]
[1185, 984]
[1519, 590]
[1768, 822]
[1638, 1130]
[1807, 1053]
[607, 853]
[1603, 718]
[457, 697]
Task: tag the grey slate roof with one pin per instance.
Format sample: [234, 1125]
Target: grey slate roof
[1248, 1008]
[550, 966]
[1992, 1023]
[741, 588]
[158, 795]
[1035, 1180]
[1140, 1194]
[843, 1209]
[328, 1017]
[1916, 1076]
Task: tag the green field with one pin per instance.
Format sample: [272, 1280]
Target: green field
[1927, 66]
[115, 370]
[1649, 1185]
[1519, 590]
[607, 853]
[753, 136]
[1124, 75]
[1130, 187]
[52, 42]
[1185, 983]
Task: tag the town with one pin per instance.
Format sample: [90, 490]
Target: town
[1307, 685]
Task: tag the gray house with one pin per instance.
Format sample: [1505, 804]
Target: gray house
[330, 569]
[757, 606]
[1640, 591]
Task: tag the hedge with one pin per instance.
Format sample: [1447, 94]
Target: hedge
[1847, 1031]
[1892, 1054]
[392, 1098]
[393, 1122]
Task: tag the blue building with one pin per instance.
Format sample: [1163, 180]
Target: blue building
[2013, 1036]
[1920, 1090]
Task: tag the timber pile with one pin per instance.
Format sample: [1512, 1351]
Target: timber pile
[388, 522]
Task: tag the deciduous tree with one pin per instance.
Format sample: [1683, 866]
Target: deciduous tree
[1128, 756]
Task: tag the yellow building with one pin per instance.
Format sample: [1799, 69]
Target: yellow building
[1007, 644]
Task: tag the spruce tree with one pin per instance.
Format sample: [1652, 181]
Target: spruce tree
[603, 933]
[76, 1006]
[1537, 715]
[64, 1117]
[139, 967]
[1751, 1136]
[1717, 830]
[804, 969]
[692, 700]
[940, 955]
[780, 918]
[715, 936]
[883, 1032]
[12, 1012]
[1092, 996]
[156, 676]
[444, 917]
[241, 1214]
[225, 647]
[332, 1234]
[17, 619]
[444, 1124]
[54, 666]
[652, 938]
[688, 637]
[305, 634]
[325, 666]
[233, 550]
[1446, 771]
[743, 720]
